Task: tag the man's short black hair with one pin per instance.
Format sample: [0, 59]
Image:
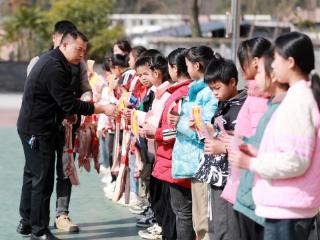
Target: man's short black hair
[64, 26]
[221, 70]
[74, 34]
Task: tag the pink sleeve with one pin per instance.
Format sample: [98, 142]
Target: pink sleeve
[250, 115]
[153, 117]
[243, 127]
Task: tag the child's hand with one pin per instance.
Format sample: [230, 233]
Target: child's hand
[192, 125]
[210, 129]
[126, 113]
[104, 132]
[150, 130]
[248, 149]
[137, 173]
[123, 89]
[239, 159]
[173, 118]
[214, 147]
[227, 139]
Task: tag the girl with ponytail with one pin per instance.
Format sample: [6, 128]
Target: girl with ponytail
[286, 189]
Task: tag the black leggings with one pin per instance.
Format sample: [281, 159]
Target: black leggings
[161, 206]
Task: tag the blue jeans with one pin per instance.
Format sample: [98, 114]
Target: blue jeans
[106, 148]
[103, 150]
[288, 229]
[134, 183]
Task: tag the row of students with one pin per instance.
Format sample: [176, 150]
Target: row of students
[195, 187]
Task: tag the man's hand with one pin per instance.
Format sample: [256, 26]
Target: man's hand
[86, 97]
[110, 110]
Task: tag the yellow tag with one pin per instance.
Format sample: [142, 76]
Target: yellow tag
[123, 100]
[94, 80]
[196, 111]
[134, 123]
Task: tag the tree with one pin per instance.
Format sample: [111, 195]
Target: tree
[90, 17]
[27, 28]
[194, 19]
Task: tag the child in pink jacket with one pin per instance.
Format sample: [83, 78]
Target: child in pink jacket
[248, 118]
[286, 191]
[254, 107]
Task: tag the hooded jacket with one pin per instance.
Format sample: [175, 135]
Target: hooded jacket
[244, 202]
[154, 114]
[163, 163]
[188, 148]
[48, 96]
[214, 169]
[252, 110]
[287, 165]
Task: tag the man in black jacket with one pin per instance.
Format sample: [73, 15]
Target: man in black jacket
[46, 100]
[81, 88]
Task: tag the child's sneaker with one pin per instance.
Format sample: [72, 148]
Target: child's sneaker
[109, 190]
[122, 202]
[140, 207]
[146, 222]
[146, 213]
[134, 199]
[104, 170]
[106, 179]
[137, 209]
[105, 174]
[153, 232]
[155, 228]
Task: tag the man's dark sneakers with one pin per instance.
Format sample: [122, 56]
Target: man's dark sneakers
[23, 229]
[47, 236]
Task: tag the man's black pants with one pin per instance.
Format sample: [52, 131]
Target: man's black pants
[38, 181]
